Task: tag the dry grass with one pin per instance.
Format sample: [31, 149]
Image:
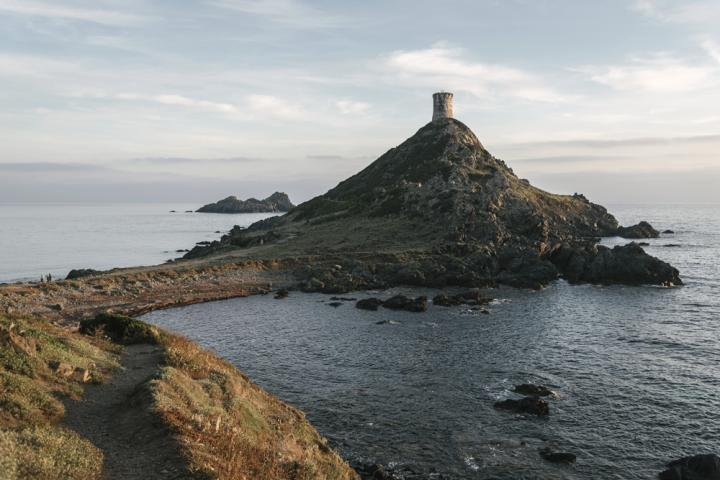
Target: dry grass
[232, 429]
[31, 445]
[47, 452]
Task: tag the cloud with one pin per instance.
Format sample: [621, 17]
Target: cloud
[659, 74]
[712, 49]
[49, 167]
[443, 66]
[55, 11]
[627, 142]
[351, 107]
[683, 12]
[293, 13]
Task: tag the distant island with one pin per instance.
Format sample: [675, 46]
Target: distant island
[277, 202]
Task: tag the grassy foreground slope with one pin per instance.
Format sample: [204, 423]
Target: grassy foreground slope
[228, 427]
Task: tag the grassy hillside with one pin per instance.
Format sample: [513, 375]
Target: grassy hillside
[228, 427]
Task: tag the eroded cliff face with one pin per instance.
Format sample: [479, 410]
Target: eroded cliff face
[442, 196]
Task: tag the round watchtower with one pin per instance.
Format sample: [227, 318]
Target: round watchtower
[442, 106]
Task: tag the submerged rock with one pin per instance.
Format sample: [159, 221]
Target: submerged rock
[697, 467]
[282, 293]
[401, 302]
[626, 264]
[668, 232]
[532, 405]
[533, 390]
[335, 304]
[553, 456]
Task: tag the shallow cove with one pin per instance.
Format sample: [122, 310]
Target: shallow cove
[637, 384]
[636, 369]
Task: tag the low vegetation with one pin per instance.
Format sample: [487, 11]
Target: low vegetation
[39, 363]
[228, 427]
[232, 429]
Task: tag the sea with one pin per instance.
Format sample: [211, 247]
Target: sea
[53, 238]
[636, 370]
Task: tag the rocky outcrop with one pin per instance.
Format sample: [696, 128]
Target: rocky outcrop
[471, 297]
[697, 467]
[80, 273]
[531, 405]
[277, 202]
[626, 264]
[401, 302]
[439, 210]
[641, 230]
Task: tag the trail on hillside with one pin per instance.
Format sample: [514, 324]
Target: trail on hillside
[116, 417]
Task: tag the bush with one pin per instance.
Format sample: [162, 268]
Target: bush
[120, 329]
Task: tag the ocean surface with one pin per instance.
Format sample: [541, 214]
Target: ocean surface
[37, 239]
[636, 369]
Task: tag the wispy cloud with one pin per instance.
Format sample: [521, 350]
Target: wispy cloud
[58, 11]
[684, 12]
[352, 107]
[444, 66]
[659, 74]
[712, 48]
[293, 13]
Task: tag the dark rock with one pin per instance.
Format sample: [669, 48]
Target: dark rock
[387, 322]
[627, 264]
[552, 456]
[532, 405]
[282, 293]
[533, 390]
[335, 304]
[471, 297]
[368, 303]
[641, 230]
[188, 211]
[401, 302]
[697, 467]
[668, 232]
[81, 272]
[672, 245]
[643, 244]
[343, 299]
[277, 202]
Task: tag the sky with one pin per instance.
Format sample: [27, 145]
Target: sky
[192, 101]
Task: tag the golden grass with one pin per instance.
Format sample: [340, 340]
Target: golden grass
[230, 428]
[44, 452]
[32, 446]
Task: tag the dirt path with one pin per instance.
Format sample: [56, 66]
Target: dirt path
[115, 416]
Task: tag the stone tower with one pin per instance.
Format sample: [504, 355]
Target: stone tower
[442, 106]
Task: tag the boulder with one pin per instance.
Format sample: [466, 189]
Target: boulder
[401, 302]
[81, 375]
[61, 369]
[81, 272]
[533, 390]
[368, 303]
[641, 230]
[335, 304]
[668, 232]
[471, 297]
[552, 456]
[531, 405]
[697, 467]
[282, 293]
[626, 264]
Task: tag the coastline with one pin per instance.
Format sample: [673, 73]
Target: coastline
[268, 436]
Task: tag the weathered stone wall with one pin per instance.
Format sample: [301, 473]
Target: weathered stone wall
[442, 105]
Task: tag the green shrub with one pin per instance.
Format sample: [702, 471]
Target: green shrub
[121, 329]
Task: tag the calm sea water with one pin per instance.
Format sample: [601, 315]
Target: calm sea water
[37, 239]
[637, 369]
